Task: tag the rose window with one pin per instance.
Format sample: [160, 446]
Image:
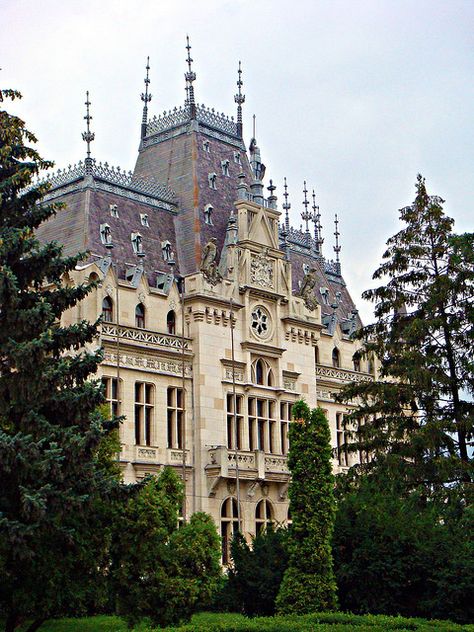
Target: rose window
[260, 322]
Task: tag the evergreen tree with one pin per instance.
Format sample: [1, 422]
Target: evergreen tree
[308, 584]
[257, 571]
[50, 425]
[159, 571]
[416, 418]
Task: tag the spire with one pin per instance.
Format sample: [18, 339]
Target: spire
[306, 215]
[190, 76]
[318, 240]
[88, 136]
[337, 247]
[286, 208]
[146, 98]
[272, 198]
[239, 98]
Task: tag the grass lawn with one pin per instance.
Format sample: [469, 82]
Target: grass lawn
[215, 622]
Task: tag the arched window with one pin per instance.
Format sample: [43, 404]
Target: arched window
[140, 316]
[263, 516]
[356, 362]
[262, 373]
[229, 526]
[171, 322]
[336, 358]
[107, 309]
[370, 365]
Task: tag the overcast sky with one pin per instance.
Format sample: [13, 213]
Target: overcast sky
[356, 97]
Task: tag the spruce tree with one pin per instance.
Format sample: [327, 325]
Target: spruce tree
[50, 425]
[417, 418]
[308, 583]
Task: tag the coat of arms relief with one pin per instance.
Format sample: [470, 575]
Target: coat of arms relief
[261, 270]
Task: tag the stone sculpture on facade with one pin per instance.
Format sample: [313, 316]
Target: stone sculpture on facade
[209, 262]
[306, 289]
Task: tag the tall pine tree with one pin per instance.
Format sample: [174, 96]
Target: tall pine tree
[308, 583]
[50, 426]
[417, 418]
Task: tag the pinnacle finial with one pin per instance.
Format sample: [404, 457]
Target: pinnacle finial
[337, 247]
[239, 98]
[146, 98]
[88, 136]
[306, 215]
[190, 76]
[286, 207]
[318, 239]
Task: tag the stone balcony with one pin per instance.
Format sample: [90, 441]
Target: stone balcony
[154, 456]
[255, 465]
[144, 338]
[326, 373]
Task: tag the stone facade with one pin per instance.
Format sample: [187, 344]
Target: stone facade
[204, 368]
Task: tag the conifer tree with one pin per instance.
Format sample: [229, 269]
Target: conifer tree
[308, 583]
[417, 418]
[50, 425]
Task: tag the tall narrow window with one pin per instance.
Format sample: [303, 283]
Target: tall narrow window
[356, 362]
[263, 516]
[259, 372]
[111, 392]
[175, 417]
[107, 310]
[171, 322]
[229, 526]
[336, 357]
[234, 433]
[285, 418]
[262, 424]
[316, 355]
[341, 440]
[143, 413]
[140, 316]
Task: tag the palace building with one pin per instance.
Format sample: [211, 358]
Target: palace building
[217, 314]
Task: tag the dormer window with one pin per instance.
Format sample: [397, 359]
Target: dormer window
[167, 251]
[113, 208]
[212, 179]
[208, 209]
[225, 167]
[237, 158]
[206, 146]
[137, 243]
[144, 219]
[324, 291]
[105, 234]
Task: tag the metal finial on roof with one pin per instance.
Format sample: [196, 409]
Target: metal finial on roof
[317, 226]
[306, 215]
[146, 98]
[286, 207]
[88, 136]
[337, 247]
[190, 76]
[239, 98]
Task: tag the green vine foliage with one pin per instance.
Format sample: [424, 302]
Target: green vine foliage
[309, 584]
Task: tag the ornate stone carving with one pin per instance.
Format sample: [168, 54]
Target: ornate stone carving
[261, 270]
[342, 375]
[209, 267]
[260, 322]
[306, 289]
[148, 363]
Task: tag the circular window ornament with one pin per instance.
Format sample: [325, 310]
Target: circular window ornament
[260, 322]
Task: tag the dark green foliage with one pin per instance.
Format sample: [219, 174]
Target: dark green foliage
[402, 554]
[308, 584]
[418, 418]
[159, 571]
[257, 571]
[50, 428]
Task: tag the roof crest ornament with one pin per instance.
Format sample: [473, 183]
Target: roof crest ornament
[88, 136]
[337, 247]
[190, 76]
[146, 98]
[306, 215]
[239, 98]
[318, 239]
[286, 207]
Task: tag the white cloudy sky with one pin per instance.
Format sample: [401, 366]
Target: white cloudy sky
[355, 96]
